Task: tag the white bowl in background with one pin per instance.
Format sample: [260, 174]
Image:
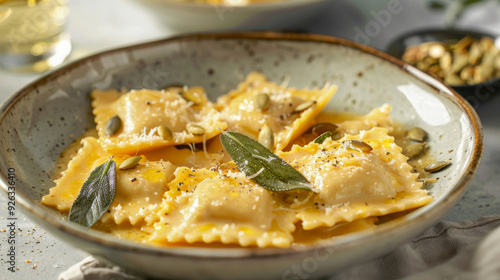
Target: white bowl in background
[275, 15]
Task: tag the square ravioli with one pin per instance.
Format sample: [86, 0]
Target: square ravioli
[355, 177]
[139, 190]
[187, 191]
[151, 119]
[257, 102]
[208, 206]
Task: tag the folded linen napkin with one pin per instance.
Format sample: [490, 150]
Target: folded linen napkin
[456, 251]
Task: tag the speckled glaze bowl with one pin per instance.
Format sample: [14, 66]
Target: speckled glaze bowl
[40, 120]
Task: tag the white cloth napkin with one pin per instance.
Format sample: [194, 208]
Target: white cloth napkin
[467, 250]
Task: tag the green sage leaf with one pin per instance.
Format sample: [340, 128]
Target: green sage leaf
[320, 139]
[261, 165]
[96, 195]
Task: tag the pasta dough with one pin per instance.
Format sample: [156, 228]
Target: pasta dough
[186, 190]
[353, 184]
[205, 206]
[243, 115]
[143, 111]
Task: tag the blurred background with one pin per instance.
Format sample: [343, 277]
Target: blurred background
[95, 26]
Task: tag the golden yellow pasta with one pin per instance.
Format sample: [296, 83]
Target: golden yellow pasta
[352, 184]
[139, 191]
[142, 112]
[186, 190]
[205, 206]
[288, 112]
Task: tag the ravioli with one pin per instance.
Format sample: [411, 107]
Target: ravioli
[241, 111]
[139, 190]
[186, 191]
[143, 111]
[378, 117]
[352, 184]
[205, 206]
[187, 157]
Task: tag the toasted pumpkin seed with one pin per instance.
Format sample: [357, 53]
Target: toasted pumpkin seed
[486, 43]
[459, 62]
[496, 63]
[320, 139]
[321, 128]
[191, 97]
[165, 132]
[130, 162]
[266, 137]
[303, 106]
[460, 46]
[445, 62]
[475, 53]
[436, 166]
[482, 73]
[417, 134]
[436, 50]
[262, 101]
[415, 150]
[113, 125]
[178, 87]
[195, 129]
[452, 79]
[466, 73]
[357, 145]
[337, 135]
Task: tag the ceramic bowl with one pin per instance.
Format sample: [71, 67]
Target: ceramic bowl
[40, 120]
[189, 16]
[475, 93]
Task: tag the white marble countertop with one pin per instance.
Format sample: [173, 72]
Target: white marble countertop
[100, 25]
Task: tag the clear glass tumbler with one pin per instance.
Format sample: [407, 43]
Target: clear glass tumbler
[32, 37]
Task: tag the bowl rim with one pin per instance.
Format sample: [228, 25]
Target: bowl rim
[410, 221]
[258, 5]
[455, 32]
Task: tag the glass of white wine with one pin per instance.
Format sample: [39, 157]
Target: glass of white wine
[32, 37]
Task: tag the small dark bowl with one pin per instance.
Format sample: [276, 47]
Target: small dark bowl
[475, 93]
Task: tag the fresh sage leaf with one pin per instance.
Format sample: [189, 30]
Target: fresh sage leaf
[96, 195]
[320, 139]
[261, 165]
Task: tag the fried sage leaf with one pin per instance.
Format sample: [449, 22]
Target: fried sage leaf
[95, 196]
[261, 165]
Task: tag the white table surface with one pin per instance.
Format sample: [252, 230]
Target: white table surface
[97, 25]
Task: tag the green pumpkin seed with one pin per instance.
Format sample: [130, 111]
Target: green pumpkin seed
[176, 86]
[417, 134]
[262, 101]
[191, 97]
[266, 137]
[337, 135]
[130, 162]
[436, 166]
[357, 145]
[165, 132]
[303, 106]
[195, 129]
[321, 128]
[113, 125]
[437, 50]
[415, 150]
[320, 139]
